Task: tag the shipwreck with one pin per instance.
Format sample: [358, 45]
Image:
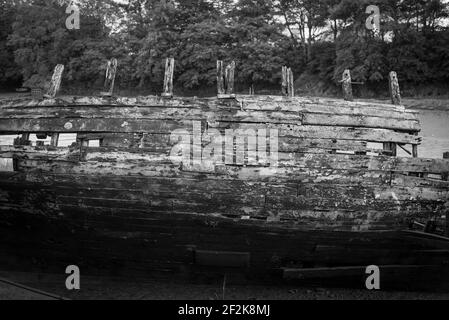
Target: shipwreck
[258, 183]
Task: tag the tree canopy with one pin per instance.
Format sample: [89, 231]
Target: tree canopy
[316, 38]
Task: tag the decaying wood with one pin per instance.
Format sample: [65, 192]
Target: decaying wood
[168, 78]
[395, 92]
[55, 83]
[229, 78]
[54, 139]
[445, 175]
[109, 82]
[347, 85]
[127, 193]
[220, 78]
[225, 80]
[252, 90]
[288, 87]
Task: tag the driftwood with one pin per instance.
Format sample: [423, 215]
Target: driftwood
[109, 82]
[225, 80]
[168, 78]
[55, 82]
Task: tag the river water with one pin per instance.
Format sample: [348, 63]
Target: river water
[435, 132]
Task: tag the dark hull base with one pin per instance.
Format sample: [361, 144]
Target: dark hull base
[203, 249]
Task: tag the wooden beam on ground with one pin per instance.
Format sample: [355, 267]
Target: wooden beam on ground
[347, 85]
[109, 82]
[55, 82]
[168, 78]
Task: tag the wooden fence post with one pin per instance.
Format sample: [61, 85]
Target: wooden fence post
[347, 85]
[168, 78]
[109, 81]
[55, 82]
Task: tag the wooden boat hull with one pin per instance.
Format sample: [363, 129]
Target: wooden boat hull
[126, 205]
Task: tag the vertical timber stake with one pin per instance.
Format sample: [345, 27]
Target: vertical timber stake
[109, 81]
[168, 78]
[288, 88]
[347, 85]
[395, 92]
[225, 80]
[55, 82]
[445, 176]
[396, 100]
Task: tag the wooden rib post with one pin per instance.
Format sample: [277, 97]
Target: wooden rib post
[347, 85]
[109, 81]
[290, 83]
[55, 82]
[225, 80]
[284, 81]
[395, 92]
[220, 78]
[288, 88]
[396, 100]
[229, 79]
[168, 78]
[445, 176]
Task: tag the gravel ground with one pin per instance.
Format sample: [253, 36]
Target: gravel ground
[99, 288]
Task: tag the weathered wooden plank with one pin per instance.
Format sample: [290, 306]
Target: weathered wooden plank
[139, 111]
[289, 165]
[361, 121]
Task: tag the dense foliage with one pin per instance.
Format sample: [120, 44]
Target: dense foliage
[317, 38]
